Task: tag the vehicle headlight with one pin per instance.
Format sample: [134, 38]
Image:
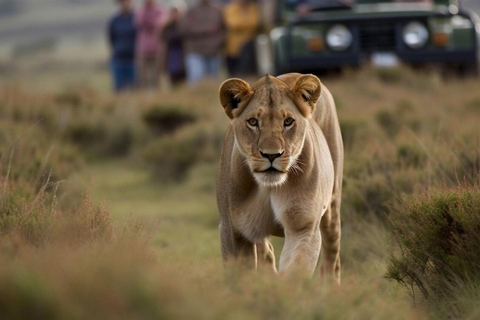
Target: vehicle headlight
[415, 35]
[339, 37]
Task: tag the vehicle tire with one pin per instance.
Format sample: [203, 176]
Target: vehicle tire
[468, 70]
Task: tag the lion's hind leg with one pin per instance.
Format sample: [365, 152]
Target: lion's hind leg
[331, 234]
[266, 255]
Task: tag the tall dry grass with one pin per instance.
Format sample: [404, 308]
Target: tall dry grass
[405, 134]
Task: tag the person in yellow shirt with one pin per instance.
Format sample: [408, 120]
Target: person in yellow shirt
[242, 20]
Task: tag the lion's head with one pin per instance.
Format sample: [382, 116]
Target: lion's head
[270, 122]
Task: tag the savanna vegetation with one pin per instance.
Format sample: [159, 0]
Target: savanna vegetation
[107, 205]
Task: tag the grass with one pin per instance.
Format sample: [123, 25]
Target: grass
[438, 237]
[130, 190]
[406, 134]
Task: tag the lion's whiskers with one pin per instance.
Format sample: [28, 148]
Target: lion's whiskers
[296, 166]
[245, 163]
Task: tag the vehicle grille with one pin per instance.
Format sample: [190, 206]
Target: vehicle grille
[377, 36]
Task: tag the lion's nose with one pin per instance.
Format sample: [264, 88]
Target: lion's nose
[271, 156]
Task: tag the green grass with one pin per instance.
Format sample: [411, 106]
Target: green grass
[183, 216]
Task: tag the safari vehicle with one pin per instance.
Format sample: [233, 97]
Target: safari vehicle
[339, 33]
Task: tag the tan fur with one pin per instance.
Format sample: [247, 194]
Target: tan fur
[301, 200]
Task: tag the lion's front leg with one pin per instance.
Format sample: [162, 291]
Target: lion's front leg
[236, 248]
[301, 250]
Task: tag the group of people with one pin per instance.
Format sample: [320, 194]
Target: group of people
[186, 43]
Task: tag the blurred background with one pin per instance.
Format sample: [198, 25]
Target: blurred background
[111, 131]
[67, 35]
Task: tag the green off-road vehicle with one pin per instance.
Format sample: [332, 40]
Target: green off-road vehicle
[315, 35]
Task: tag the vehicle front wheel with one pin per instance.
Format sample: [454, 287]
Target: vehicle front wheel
[469, 70]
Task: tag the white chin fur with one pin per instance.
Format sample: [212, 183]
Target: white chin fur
[269, 179]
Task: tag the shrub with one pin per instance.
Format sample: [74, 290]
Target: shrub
[389, 122]
[404, 107]
[69, 98]
[439, 237]
[85, 134]
[353, 131]
[389, 76]
[473, 104]
[34, 216]
[36, 155]
[120, 140]
[101, 137]
[166, 119]
[405, 77]
[411, 155]
[469, 165]
[78, 97]
[369, 196]
[171, 156]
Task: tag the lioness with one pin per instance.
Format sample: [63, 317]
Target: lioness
[281, 173]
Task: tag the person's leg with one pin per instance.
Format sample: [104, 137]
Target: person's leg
[231, 63]
[176, 78]
[195, 67]
[152, 72]
[159, 66]
[124, 75]
[130, 76]
[213, 66]
[142, 69]
[246, 64]
[115, 70]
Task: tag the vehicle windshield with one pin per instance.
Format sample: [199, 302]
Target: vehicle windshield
[351, 2]
[337, 4]
[387, 1]
[303, 6]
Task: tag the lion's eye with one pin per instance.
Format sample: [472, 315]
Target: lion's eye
[288, 122]
[253, 122]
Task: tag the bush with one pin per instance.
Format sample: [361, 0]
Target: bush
[369, 197]
[411, 155]
[69, 98]
[79, 97]
[468, 168]
[167, 119]
[389, 76]
[353, 131]
[85, 134]
[171, 156]
[389, 122]
[102, 137]
[392, 122]
[34, 217]
[439, 237]
[37, 158]
[473, 104]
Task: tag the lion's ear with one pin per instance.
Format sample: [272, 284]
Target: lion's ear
[234, 93]
[306, 91]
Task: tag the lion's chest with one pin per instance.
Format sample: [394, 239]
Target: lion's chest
[255, 218]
